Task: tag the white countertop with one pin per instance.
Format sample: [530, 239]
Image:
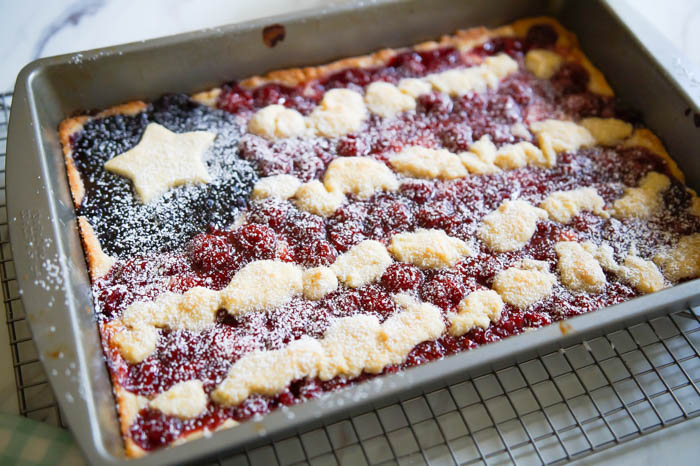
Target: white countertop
[31, 29]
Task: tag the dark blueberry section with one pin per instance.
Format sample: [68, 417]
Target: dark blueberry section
[126, 227]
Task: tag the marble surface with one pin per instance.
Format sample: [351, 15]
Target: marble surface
[31, 29]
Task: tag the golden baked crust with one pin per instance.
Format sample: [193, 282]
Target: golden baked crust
[99, 263]
[65, 130]
[128, 404]
[565, 38]
[128, 407]
[129, 108]
[463, 39]
[207, 97]
[567, 43]
[643, 137]
[294, 76]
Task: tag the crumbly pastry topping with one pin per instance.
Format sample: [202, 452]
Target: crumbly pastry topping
[645, 200]
[362, 264]
[607, 131]
[341, 111]
[578, 269]
[421, 162]
[136, 344]
[269, 372]
[262, 285]
[351, 345]
[556, 136]
[543, 63]
[163, 160]
[313, 197]
[360, 176]
[512, 156]
[279, 186]
[562, 206]
[510, 226]
[604, 254]
[318, 282]
[519, 130]
[258, 286]
[478, 309]
[184, 400]
[276, 122]
[475, 79]
[484, 158]
[414, 87]
[682, 260]
[428, 249]
[481, 157]
[525, 283]
[194, 310]
[387, 100]
[368, 216]
[643, 275]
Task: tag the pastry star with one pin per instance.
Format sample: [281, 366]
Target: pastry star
[163, 160]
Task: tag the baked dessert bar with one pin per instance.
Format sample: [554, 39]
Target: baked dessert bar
[284, 236]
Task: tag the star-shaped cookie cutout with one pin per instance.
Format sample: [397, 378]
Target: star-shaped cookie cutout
[163, 160]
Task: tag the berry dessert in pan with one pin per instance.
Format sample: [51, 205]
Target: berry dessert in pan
[277, 238]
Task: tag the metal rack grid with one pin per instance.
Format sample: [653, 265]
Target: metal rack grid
[550, 409]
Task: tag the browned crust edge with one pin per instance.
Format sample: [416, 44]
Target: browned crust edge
[463, 39]
[99, 262]
[208, 98]
[128, 407]
[128, 404]
[66, 129]
[644, 137]
[129, 108]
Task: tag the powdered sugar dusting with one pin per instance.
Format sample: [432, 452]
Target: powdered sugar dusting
[276, 229]
[126, 227]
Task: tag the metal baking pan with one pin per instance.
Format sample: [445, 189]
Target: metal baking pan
[646, 71]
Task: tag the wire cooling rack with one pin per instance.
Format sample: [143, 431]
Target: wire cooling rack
[550, 409]
[33, 392]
